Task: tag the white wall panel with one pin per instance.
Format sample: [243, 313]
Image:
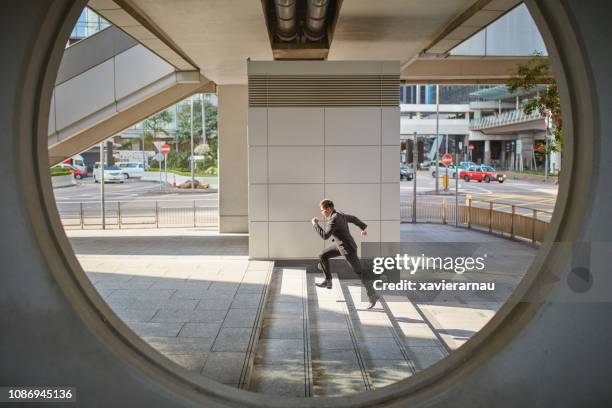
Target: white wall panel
[390, 202]
[360, 200]
[390, 163]
[295, 126]
[258, 240]
[258, 202]
[358, 164]
[352, 126]
[294, 240]
[390, 126]
[258, 164]
[258, 126]
[295, 164]
[72, 103]
[295, 202]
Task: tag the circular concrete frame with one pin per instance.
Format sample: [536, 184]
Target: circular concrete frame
[97, 350]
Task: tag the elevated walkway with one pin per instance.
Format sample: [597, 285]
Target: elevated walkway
[106, 83]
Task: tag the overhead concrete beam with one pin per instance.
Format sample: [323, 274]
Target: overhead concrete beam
[129, 18]
[462, 70]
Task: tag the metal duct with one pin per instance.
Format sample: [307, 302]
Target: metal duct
[286, 21]
[315, 19]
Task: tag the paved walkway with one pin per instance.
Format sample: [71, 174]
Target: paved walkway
[191, 294]
[196, 297]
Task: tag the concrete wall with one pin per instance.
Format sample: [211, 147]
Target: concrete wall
[299, 155]
[57, 331]
[233, 167]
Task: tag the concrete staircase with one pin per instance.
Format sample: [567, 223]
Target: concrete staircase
[320, 342]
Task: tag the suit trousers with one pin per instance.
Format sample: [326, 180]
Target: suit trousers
[352, 259]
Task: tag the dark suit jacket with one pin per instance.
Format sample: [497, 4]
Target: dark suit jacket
[337, 228]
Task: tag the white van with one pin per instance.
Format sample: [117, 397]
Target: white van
[132, 169]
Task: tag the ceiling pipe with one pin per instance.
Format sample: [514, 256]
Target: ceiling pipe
[315, 19]
[286, 20]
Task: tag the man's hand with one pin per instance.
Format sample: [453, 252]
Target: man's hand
[314, 221]
[364, 233]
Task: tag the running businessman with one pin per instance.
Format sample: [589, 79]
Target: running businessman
[343, 244]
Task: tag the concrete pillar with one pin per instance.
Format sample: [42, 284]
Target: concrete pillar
[233, 163]
[487, 151]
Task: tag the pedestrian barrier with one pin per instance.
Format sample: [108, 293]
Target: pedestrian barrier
[138, 214]
[509, 220]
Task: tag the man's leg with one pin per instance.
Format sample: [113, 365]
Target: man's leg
[324, 257]
[353, 260]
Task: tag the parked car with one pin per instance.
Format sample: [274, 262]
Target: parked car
[78, 171]
[111, 173]
[132, 169]
[406, 172]
[443, 172]
[482, 173]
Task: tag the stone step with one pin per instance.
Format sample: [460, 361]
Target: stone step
[321, 342]
[282, 360]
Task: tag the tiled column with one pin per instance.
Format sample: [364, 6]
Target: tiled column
[299, 155]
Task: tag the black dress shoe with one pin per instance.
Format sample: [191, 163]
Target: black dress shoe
[373, 300]
[324, 284]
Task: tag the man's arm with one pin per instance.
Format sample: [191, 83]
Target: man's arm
[329, 228]
[354, 220]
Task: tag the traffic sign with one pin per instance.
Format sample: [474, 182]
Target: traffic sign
[158, 144]
[165, 149]
[471, 147]
[447, 159]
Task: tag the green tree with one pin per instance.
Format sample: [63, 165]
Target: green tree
[537, 72]
[183, 131]
[157, 125]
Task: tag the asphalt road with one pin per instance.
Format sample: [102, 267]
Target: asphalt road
[131, 190]
[526, 195]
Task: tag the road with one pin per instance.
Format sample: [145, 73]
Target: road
[132, 190]
[522, 193]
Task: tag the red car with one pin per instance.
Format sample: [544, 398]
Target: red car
[482, 173]
[77, 172]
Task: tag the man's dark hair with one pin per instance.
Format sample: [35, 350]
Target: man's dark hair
[325, 203]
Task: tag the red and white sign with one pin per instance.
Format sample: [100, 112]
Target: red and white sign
[471, 147]
[447, 159]
[165, 149]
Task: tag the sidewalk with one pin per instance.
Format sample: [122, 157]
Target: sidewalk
[194, 296]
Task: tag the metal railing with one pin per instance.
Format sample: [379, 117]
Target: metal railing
[138, 214]
[506, 118]
[506, 219]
